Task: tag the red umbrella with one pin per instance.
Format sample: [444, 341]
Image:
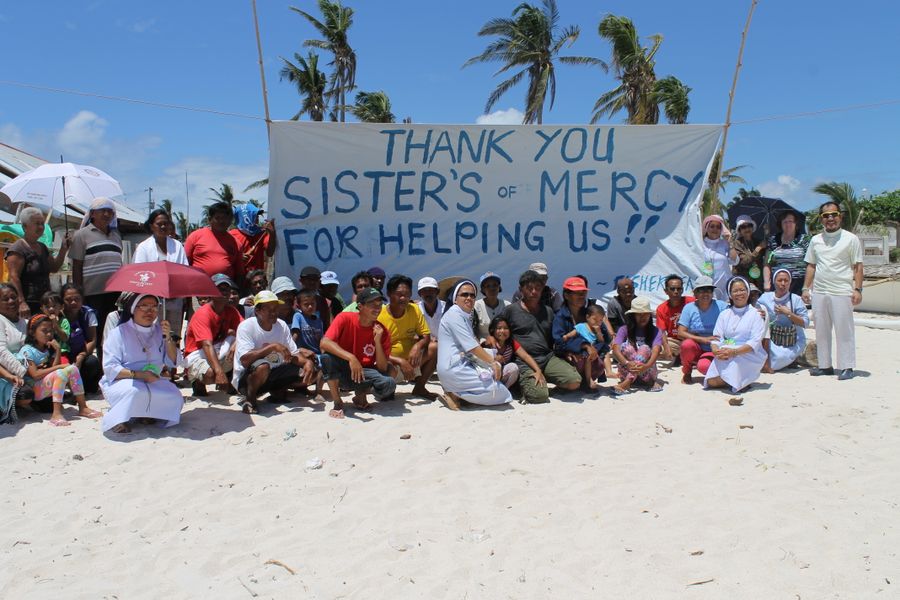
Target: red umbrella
[162, 278]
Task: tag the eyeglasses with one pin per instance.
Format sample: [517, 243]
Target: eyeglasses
[147, 307]
[466, 294]
[830, 215]
[675, 289]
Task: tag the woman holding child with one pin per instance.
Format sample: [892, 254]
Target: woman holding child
[580, 338]
[466, 370]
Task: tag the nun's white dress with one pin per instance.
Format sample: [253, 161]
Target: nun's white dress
[455, 370]
[782, 356]
[139, 348]
[738, 327]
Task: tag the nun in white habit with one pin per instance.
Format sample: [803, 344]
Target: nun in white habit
[738, 350]
[789, 318]
[134, 356]
[466, 370]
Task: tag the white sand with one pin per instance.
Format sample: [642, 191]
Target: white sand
[581, 498]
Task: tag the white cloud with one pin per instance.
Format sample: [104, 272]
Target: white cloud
[203, 173]
[510, 116]
[11, 135]
[143, 26]
[785, 187]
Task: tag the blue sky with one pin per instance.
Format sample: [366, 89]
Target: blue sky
[801, 56]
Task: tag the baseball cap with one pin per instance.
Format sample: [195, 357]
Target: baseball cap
[575, 284]
[220, 278]
[539, 268]
[282, 284]
[368, 295]
[264, 297]
[377, 272]
[427, 283]
[310, 272]
[703, 282]
[488, 275]
[330, 278]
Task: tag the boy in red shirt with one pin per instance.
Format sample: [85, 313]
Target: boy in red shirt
[355, 353]
[667, 315]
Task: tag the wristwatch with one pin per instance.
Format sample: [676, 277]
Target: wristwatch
[858, 290]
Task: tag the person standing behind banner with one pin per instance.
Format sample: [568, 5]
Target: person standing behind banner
[158, 247]
[834, 275]
[255, 243]
[96, 254]
[718, 256]
[211, 249]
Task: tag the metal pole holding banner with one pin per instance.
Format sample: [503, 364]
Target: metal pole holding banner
[262, 73]
[737, 70]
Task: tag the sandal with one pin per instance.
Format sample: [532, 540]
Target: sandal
[59, 423]
[249, 408]
[90, 414]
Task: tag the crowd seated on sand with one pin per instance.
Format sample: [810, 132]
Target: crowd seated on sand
[293, 338]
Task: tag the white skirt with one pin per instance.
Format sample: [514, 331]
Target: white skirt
[130, 398]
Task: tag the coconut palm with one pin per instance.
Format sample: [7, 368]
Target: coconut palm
[166, 205]
[259, 183]
[530, 40]
[224, 194]
[336, 21]
[843, 195]
[182, 227]
[372, 107]
[673, 95]
[711, 204]
[310, 82]
[634, 66]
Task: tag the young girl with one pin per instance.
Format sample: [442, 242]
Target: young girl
[596, 338]
[508, 347]
[636, 348]
[52, 306]
[47, 375]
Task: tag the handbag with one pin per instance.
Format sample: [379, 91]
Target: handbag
[784, 335]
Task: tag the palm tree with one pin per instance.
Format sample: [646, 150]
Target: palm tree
[182, 227]
[711, 204]
[844, 196]
[310, 82]
[373, 107]
[530, 40]
[224, 194]
[259, 183]
[333, 27]
[673, 95]
[166, 205]
[634, 66]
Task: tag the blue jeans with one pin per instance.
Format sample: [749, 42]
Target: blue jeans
[333, 368]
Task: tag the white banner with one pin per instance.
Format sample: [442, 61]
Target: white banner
[443, 200]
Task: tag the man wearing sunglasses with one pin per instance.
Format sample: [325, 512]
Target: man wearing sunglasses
[834, 279]
[667, 315]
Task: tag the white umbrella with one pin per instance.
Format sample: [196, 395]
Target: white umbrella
[53, 184]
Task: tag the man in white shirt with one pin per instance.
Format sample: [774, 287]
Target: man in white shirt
[834, 277]
[265, 356]
[432, 307]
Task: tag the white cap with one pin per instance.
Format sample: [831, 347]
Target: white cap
[426, 283]
[329, 277]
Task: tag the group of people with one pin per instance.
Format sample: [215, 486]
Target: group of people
[267, 340]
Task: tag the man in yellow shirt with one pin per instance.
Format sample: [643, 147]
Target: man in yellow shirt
[413, 357]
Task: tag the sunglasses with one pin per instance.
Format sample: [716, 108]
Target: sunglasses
[830, 215]
[466, 294]
[675, 289]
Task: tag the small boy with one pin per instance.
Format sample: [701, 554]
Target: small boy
[595, 345]
[307, 330]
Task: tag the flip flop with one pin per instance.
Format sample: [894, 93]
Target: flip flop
[656, 388]
[59, 423]
[248, 408]
[617, 392]
[336, 413]
[91, 414]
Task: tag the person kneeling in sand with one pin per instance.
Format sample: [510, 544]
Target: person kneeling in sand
[209, 344]
[265, 356]
[355, 352]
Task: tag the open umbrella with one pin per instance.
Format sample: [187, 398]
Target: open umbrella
[53, 184]
[765, 212]
[162, 278]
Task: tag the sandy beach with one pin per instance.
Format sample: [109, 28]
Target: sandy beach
[794, 494]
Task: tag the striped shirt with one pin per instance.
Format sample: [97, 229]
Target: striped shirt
[101, 254]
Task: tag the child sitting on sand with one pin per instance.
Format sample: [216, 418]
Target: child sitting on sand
[596, 338]
[508, 349]
[637, 345]
[47, 375]
[307, 330]
[52, 306]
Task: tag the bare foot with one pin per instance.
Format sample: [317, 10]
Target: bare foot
[687, 379]
[249, 407]
[593, 386]
[360, 403]
[449, 400]
[87, 413]
[421, 391]
[336, 413]
[121, 428]
[60, 422]
[768, 369]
